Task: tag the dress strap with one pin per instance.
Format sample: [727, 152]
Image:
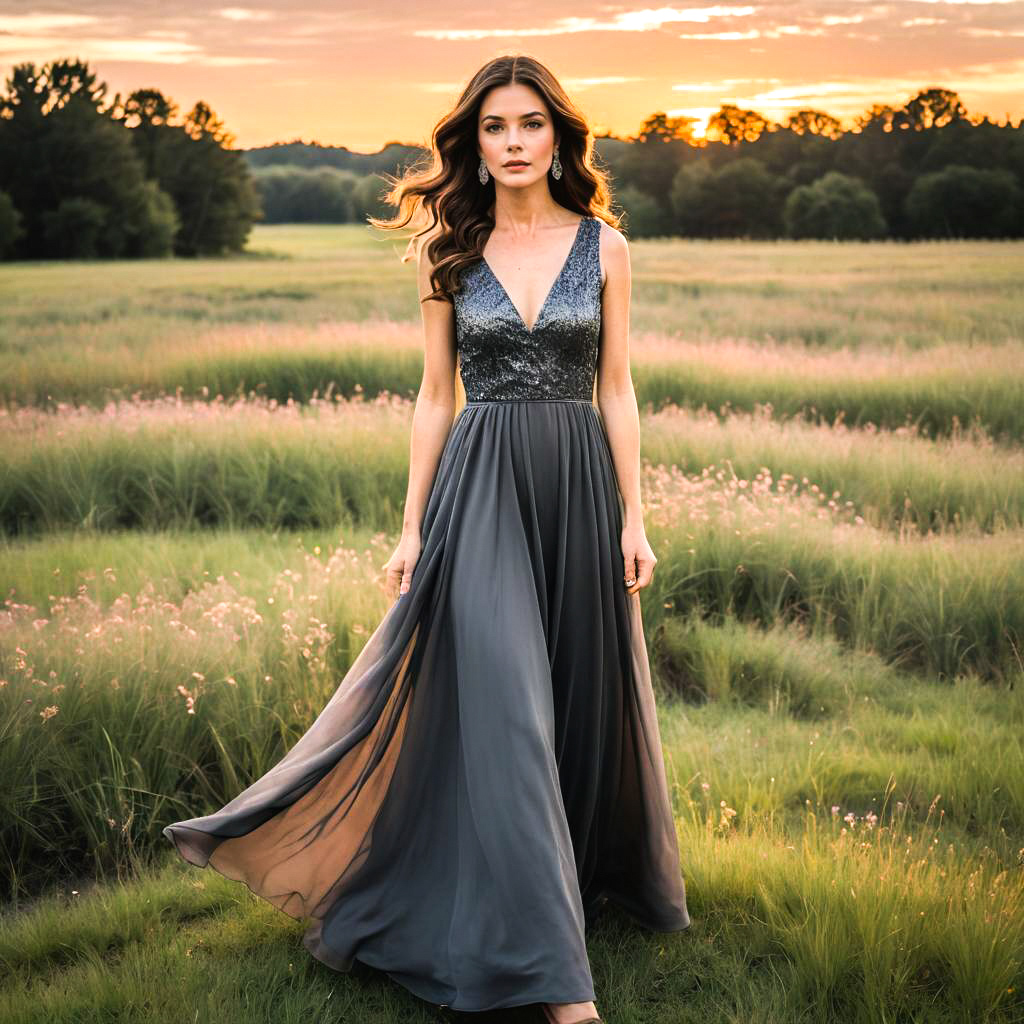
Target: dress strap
[592, 247]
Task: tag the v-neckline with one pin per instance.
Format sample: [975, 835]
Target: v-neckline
[554, 284]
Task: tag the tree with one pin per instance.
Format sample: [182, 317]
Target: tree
[203, 123]
[734, 125]
[835, 206]
[892, 183]
[367, 197]
[148, 114]
[69, 166]
[291, 195]
[643, 217]
[660, 127]
[650, 162]
[71, 82]
[112, 179]
[160, 217]
[212, 190]
[72, 231]
[814, 122]
[965, 202]
[689, 187]
[214, 197]
[931, 108]
[739, 200]
[880, 117]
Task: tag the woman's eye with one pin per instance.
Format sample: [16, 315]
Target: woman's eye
[539, 124]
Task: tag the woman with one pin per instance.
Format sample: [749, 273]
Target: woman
[489, 771]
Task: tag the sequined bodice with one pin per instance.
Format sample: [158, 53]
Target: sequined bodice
[501, 358]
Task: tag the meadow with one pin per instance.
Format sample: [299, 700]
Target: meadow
[202, 470]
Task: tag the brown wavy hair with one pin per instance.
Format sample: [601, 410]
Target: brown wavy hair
[448, 192]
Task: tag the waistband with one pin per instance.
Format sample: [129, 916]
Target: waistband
[509, 401]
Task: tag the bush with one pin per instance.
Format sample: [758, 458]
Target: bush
[302, 195]
[836, 206]
[643, 216]
[739, 200]
[72, 231]
[964, 202]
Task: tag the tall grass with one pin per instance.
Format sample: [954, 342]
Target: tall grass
[937, 390]
[176, 464]
[767, 550]
[172, 463]
[104, 707]
[162, 701]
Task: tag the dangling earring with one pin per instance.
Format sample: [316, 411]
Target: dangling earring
[556, 166]
[482, 172]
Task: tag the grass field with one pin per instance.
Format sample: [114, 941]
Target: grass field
[202, 469]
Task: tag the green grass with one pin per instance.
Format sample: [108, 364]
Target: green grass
[938, 391]
[876, 332]
[857, 865]
[815, 294]
[250, 463]
[176, 692]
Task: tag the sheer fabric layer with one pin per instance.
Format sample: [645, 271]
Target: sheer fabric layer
[490, 767]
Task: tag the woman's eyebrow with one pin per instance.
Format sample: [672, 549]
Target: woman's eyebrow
[498, 117]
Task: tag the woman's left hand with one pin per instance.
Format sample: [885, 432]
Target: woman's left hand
[638, 559]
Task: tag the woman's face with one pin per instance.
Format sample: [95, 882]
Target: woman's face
[514, 125]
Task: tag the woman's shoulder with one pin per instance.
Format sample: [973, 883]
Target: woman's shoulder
[610, 236]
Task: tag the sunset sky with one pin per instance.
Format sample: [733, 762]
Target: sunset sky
[360, 76]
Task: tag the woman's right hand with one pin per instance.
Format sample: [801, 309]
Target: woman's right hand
[400, 565]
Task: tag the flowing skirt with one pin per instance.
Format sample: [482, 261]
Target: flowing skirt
[489, 770]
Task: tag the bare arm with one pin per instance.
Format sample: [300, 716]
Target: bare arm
[431, 422]
[617, 402]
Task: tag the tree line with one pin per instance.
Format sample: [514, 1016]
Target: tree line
[924, 170]
[81, 177]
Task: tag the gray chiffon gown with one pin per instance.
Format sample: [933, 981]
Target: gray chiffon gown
[489, 770]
